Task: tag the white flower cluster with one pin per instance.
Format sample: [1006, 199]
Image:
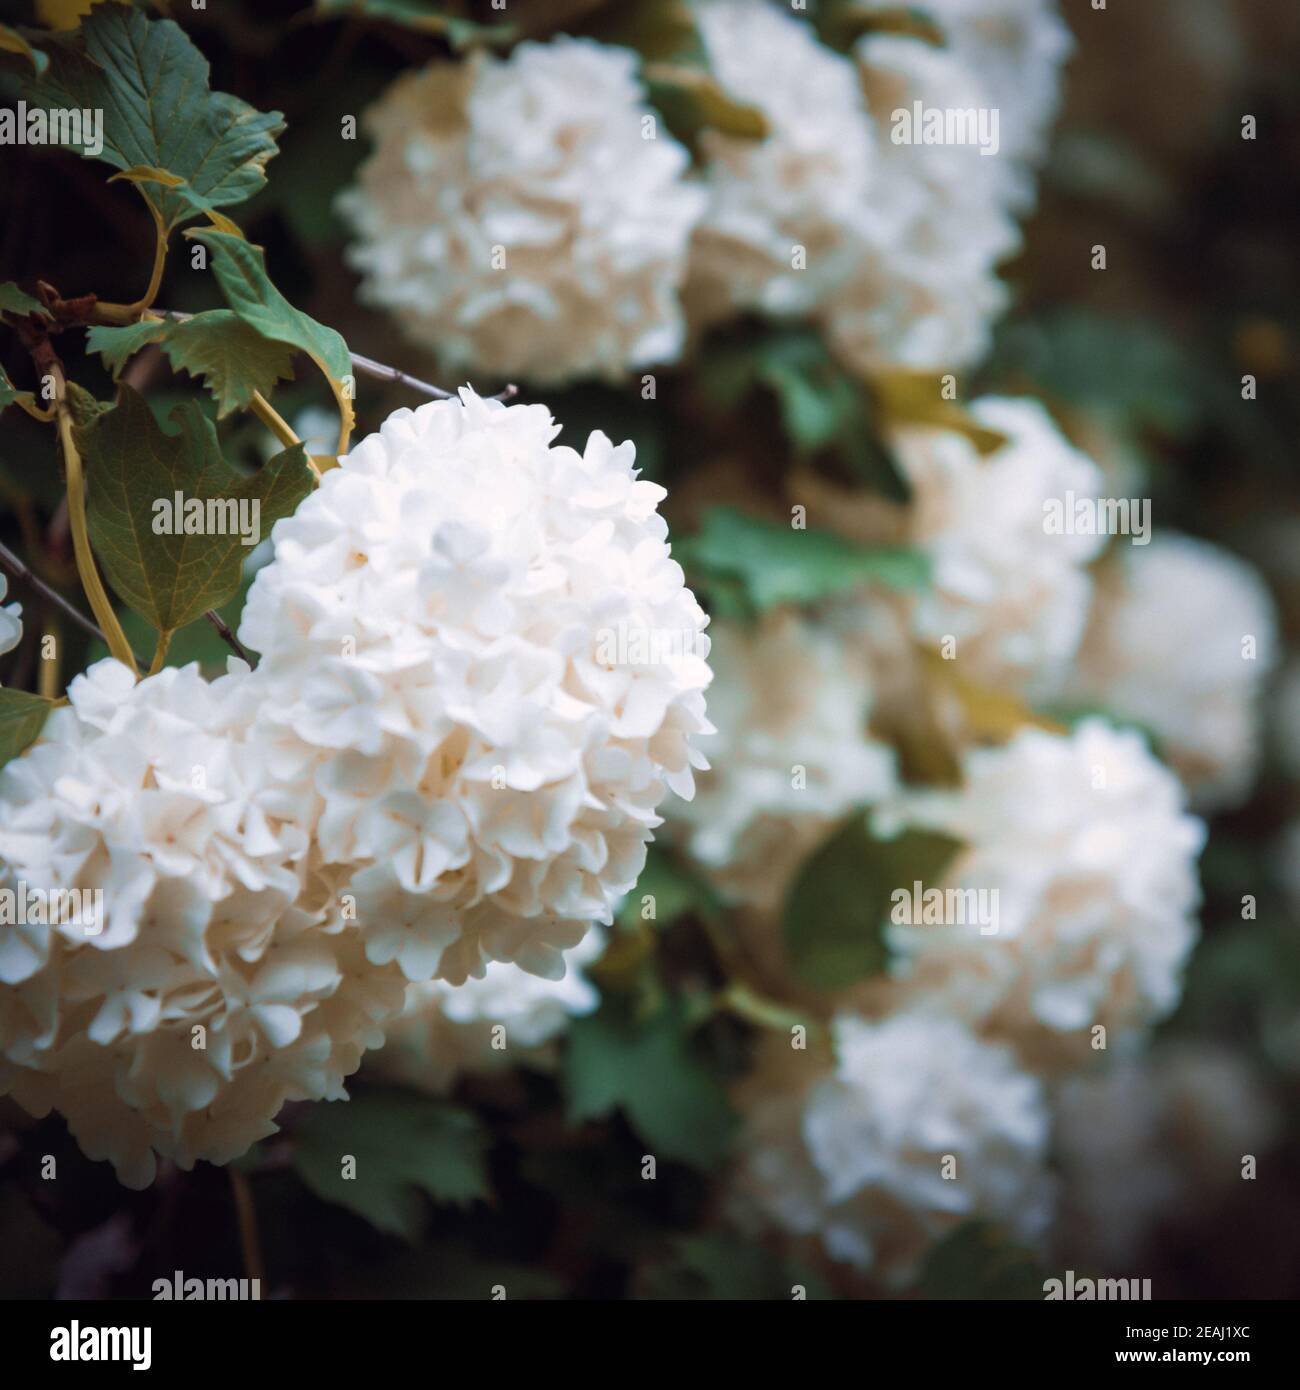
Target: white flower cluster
[204, 974]
[1018, 48]
[531, 216]
[893, 242]
[485, 1025]
[440, 762]
[791, 756]
[1007, 600]
[1181, 641]
[11, 626]
[802, 186]
[526, 216]
[442, 631]
[1087, 859]
[1013, 595]
[914, 1127]
[924, 290]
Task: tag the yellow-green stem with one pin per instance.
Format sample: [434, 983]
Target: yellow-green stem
[131, 313]
[271, 418]
[90, 580]
[47, 678]
[160, 652]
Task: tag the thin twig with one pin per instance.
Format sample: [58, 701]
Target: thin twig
[223, 628]
[377, 369]
[19, 569]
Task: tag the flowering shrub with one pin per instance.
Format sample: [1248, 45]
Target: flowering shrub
[618, 676]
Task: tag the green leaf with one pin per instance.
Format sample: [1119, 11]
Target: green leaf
[1130, 369]
[151, 83]
[84, 407]
[977, 1260]
[240, 268]
[9, 393]
[836, 909]
[14, 301]
[134, 464]
[197, 641]
[692, 100]
[676, 1102]
[778, 564]
[675, 67]
[840, 23]
[422, 16]
[403, 1144]
[118, 345]
[906, 397]
[822, 406]
[232, 357]
[22, 717]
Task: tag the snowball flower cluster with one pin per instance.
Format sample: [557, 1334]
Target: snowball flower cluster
[11, 627]
[506, 1018]
[924, 288]
[526, 216]
[1081, 848]
[204, 974]
[791, 196]
[916, 1127]
[1180, 641]
[792, 755]
[1012, 594]
[1017, 48]
[479, 655]
[893, 243]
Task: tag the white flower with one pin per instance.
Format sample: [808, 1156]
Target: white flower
[1018, 48]
[792, 755]
[1180, 641]
[917, 1127]
[485, 1025]
[478, 650]
[793, 192]
[1084, 840]
[1013, 595]
[11, 627]
[1152, 1139]
[526, 216]
[924, 289]
[216, 978]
